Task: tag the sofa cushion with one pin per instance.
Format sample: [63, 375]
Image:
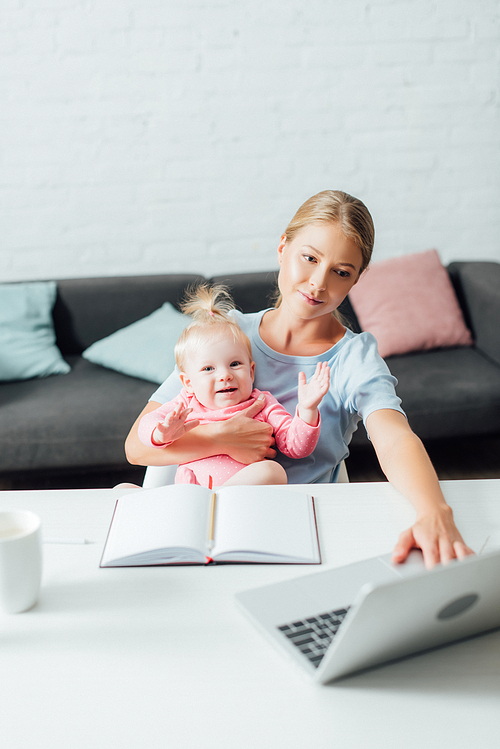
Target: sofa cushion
[251, 292]
[144, 349]
[27, 339]
[446, 393]
[409, 304]
[449, 393]
[78, 420]
[88, 309]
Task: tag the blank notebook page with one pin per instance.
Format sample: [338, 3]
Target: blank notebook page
[246, 520]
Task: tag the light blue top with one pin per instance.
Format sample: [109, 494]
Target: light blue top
[360, 383]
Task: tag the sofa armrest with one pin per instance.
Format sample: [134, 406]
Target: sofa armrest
[478, 288]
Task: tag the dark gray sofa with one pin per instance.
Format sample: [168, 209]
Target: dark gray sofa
[79, 421]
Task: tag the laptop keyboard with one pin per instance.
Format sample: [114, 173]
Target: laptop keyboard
[313, 635]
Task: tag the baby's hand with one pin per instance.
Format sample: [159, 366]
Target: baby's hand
[310, 394]
[174, 426]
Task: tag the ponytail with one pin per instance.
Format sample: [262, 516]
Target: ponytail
[210, 309]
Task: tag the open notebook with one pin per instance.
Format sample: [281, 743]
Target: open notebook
[189, 524]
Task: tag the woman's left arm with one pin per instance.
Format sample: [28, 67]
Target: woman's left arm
[407, 466]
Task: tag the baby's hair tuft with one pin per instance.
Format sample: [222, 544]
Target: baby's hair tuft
[206, 303]
[209, 307]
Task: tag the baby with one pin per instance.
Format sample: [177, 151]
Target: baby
[216, 368]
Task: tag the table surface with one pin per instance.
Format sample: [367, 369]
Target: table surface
[162, 657]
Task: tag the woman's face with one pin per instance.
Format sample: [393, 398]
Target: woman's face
[318, 268]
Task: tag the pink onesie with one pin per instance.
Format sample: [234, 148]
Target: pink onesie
[293, 436]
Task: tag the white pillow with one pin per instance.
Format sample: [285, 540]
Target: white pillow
[144, 349]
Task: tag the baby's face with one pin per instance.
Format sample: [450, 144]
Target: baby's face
[220, 373]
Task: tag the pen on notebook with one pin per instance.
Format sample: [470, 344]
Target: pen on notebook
[53, 540]
[212, 519]
[212, 515]
[483, 546]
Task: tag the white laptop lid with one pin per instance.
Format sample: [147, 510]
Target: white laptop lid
[390, 617]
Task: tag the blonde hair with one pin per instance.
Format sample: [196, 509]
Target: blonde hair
[334, 206]
[210, 307]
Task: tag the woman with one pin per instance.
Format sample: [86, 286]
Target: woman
[324, 250]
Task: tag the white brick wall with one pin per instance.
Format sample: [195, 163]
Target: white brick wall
[153, 136]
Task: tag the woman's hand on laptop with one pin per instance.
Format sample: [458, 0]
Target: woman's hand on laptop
[406, 464]
[436, 535]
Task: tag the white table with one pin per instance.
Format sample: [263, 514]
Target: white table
[161, 657]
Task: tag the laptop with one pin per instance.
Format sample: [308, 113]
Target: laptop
[344, 620]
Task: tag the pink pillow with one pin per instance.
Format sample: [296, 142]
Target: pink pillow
[409, 304]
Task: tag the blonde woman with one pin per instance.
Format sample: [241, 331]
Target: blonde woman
[321, 255]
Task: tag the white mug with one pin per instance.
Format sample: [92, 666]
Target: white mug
[20, 560]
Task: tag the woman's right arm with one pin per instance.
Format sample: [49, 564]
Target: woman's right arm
[241, 437]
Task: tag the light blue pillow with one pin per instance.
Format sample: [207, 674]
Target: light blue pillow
[144, 349]
[27, 339]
